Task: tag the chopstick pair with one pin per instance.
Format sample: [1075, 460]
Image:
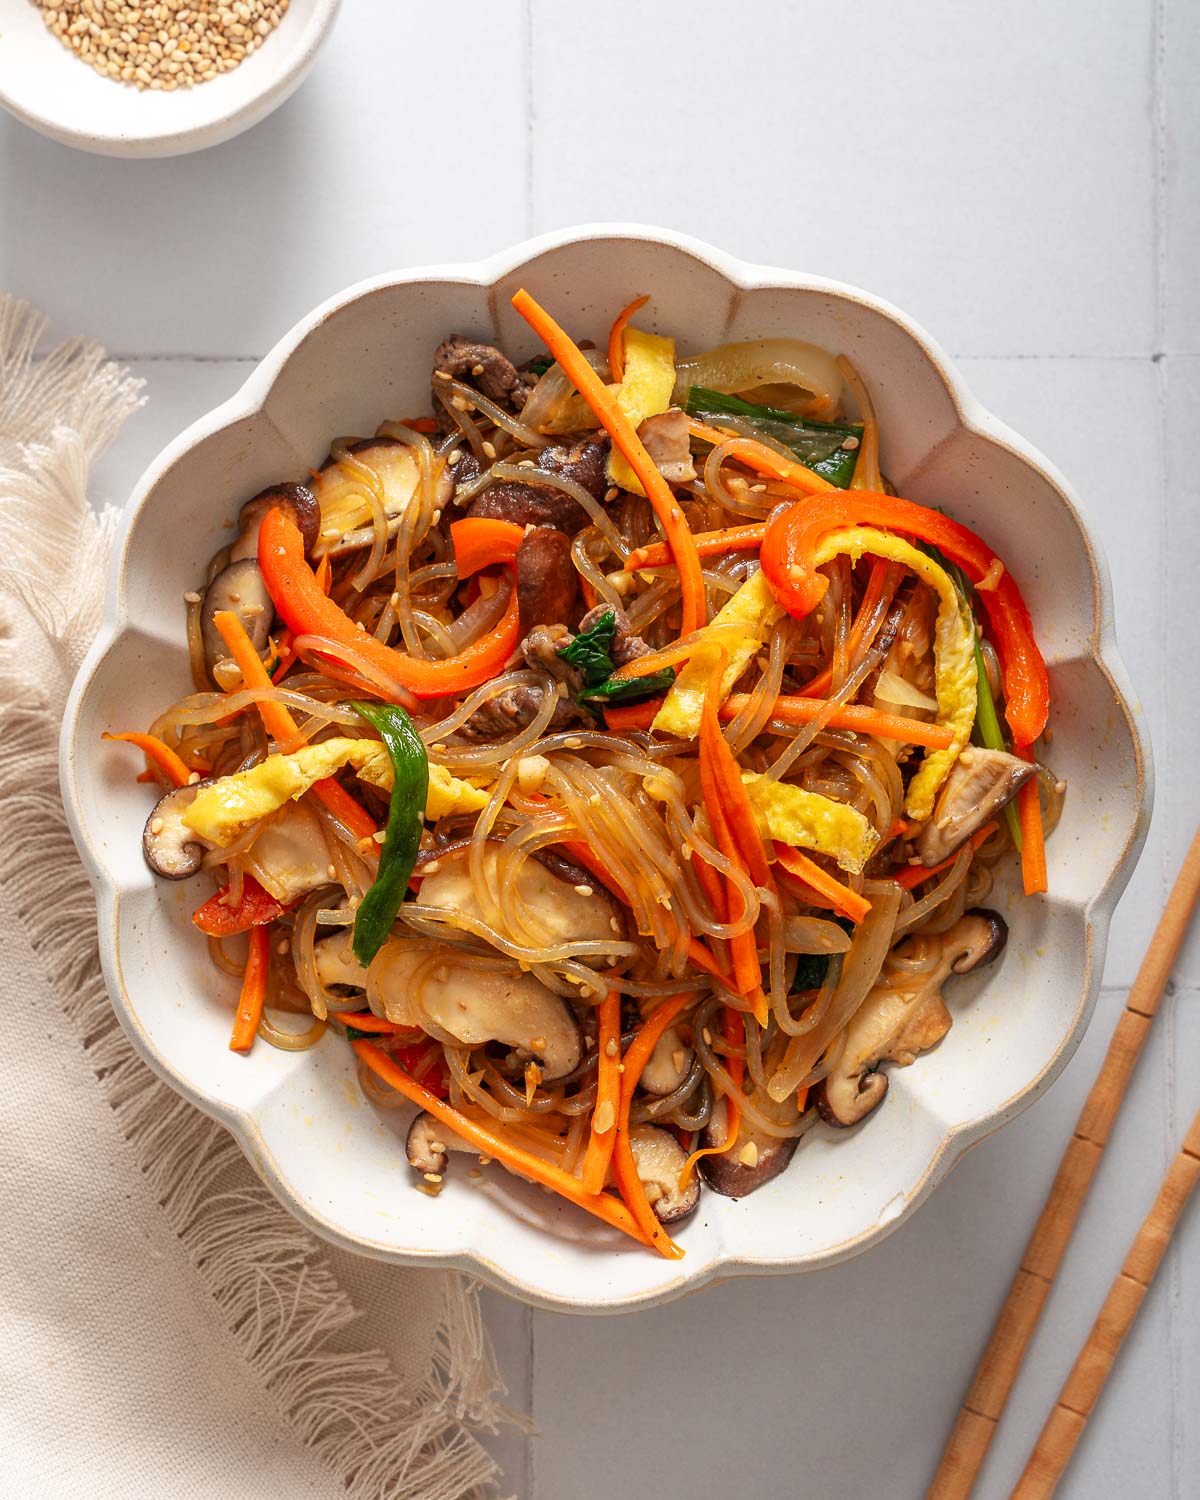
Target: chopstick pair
[996, 1372]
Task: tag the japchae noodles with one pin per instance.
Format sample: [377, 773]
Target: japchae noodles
[613, 757]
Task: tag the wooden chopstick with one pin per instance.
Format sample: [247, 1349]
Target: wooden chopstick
[975, 1425]
[1078, 1397]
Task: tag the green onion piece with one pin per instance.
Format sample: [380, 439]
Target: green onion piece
[540, 365]
[405, 824]
[590, 653]
[629, 689]
[818, 445]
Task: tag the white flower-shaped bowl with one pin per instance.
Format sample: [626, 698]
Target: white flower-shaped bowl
[44, 84]
[338, 1163]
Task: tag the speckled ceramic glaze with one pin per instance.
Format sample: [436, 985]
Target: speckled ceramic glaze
[339, 1164]
[50, 89]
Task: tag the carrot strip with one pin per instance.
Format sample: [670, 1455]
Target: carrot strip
[726, 785]
[624, 1166]
[616, 338]
[1033, 844]
[254, 991]
[914, 875]
[369, 1021]
[789, 708]
[763, 460]
[618, 426]
[489, 1143]
[159, 752]
[666, 656]
[280, 725]
[277, 721]
[708, 544]
[839, 896]
[734, 825]
[599, 1152]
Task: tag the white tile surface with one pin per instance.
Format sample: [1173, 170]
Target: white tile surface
[1021, 179]
[986, 167]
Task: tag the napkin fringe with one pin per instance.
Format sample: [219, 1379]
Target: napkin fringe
[269, 1277]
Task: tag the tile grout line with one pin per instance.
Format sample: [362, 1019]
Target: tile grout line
[1159, 338]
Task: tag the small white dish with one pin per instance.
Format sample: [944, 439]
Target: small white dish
[44, 84]
[339, 1164]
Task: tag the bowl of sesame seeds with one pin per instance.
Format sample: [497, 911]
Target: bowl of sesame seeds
[154, 77]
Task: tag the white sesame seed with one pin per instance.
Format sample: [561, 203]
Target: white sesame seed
[489, 449]
[157, 825]
[442, 375]
[191, 597]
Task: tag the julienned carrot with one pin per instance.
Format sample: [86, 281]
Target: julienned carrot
[1033, 844]
[599, 1152]
[616, 338]
[369, 1021]
[159, 752]
[839, 896]
[279, 723]
[764, 460]
[708, 544]
[489, 1143]
[726, 779]
[618, 426]
[790, 708]
[914, 875]
[254, 990]
[731, 837]
[877, 586]
[624, 1166]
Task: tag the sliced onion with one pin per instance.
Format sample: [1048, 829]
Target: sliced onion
[785, 373]
[555, 406]
[890, 687]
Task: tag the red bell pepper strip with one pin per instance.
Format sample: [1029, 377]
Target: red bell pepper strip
[791, 539]
[217, 918]
[306, 610]
[479, 542]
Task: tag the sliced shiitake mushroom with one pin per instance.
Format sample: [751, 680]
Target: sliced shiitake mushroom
[751, 1162]
[441, 992]
[172, 850]
[428, 1144]
[660, 1160]
[667, 1066]
[395, 464]
[556, 911]
[296, 499]
[241, 589]
[979, 785]
[899, 1020]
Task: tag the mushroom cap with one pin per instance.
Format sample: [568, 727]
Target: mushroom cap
[415, 985]
[981, 936]
[896, 1022]
[425, 1145]
[660, 1160]
[739, 1171]
[296, 499]
[980, 783]
[172, 850]
[241, 588]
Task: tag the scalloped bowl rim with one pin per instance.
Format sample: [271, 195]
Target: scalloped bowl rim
[249, 400]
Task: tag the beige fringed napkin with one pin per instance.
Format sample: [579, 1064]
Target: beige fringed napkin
[166, 1327]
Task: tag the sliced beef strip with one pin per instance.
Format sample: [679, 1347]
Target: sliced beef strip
[539, 504]
[547, 583]
[481, 365]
